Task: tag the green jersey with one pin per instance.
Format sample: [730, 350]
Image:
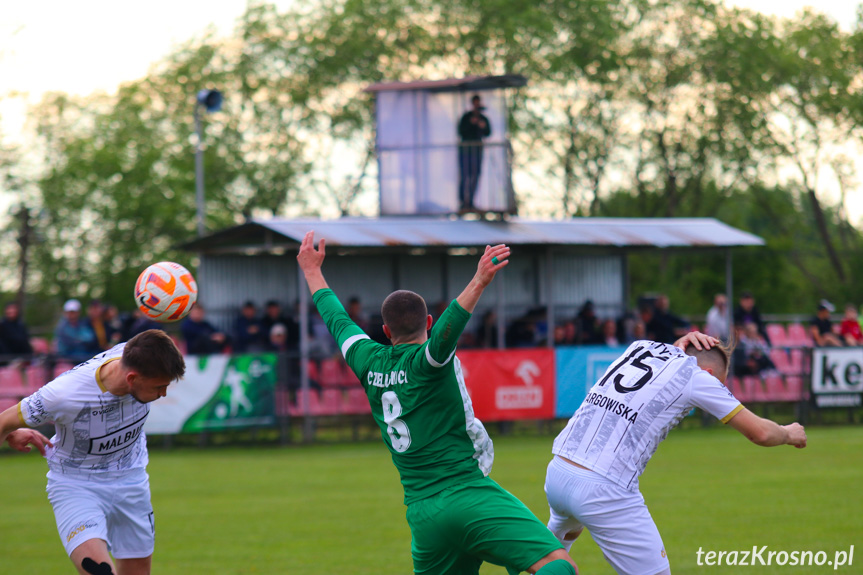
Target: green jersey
[418, 399]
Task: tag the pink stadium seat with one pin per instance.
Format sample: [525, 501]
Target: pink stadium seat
[780, 359]
[356, 402]
[776, 389]
[798, 335]
[331, 374]
[331, 402]
[314, 372]
[776, 334]
[798, 361]
[62, 367]
[737, 389]
[796, 389]
[12, 383]
[755, 389]
[37, 376]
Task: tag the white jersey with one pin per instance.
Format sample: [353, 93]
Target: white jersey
[95, 430]
[639, 399]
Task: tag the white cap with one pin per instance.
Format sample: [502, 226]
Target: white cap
[72, 305]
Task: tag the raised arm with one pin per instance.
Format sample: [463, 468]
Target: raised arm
[493, 260]
[767, 433]
[311, 260]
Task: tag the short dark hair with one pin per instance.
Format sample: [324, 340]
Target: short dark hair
[404, 312]
[154, 354]
[718, 355]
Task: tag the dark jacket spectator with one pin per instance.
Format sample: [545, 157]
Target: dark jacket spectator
[14, 338]
[821, 328]
[589, 331]
[202, 337]
[747, 312]
[664, 326]
[273, 315]
[249, 335]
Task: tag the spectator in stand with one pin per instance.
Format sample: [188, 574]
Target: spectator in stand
[202, 337]
[279, 338]
[273, 315]
[521, 332]
[752, 354]
[249, 335]
[570, 327]
[73, 336]
[717, 318]
[559, 335]
[137, 323]
[849, 329]
[588, 324]
[355, 312]
[821, 328]
[113, 324]
[97, 324]
[486, 334]
[665, 326]
[14, 338]
[747, 311]
[609, 333]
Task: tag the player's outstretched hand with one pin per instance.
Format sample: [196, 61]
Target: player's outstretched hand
[796, 435]
[21, 440]
[697, 339]
[308, 257]
[493, 260]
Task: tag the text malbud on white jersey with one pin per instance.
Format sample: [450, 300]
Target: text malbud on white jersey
[95, 430]
[631, 409]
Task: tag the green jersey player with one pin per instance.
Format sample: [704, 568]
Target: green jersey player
[459, 517]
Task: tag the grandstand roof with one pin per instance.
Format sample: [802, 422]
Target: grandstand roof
[427, 232]
[452, 84]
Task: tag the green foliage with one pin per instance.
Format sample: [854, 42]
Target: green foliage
[639, 108]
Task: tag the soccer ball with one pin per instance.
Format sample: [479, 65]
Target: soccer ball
[165, 292]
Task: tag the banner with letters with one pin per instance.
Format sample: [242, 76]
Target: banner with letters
[837, 376]
[218, 392]
[512, 384]
[578, 368]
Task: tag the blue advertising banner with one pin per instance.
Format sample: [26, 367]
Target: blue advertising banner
[576, 370]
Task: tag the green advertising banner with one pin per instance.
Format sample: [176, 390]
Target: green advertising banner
[218, 392]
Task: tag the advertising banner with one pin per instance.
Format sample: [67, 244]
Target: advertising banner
[578, 368]
[218, 392]
[507, 385]
[837, 377]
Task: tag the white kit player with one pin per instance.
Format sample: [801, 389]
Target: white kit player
[97, 459]
[592, 481]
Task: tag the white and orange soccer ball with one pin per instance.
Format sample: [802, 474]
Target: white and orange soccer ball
[165, 292]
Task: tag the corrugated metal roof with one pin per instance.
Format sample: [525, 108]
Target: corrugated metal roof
[429, 232]
[452, 84]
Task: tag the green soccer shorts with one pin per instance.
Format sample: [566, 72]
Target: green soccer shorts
[454, 531]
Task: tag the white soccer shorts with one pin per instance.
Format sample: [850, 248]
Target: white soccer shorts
[117, 511]
[618, 519]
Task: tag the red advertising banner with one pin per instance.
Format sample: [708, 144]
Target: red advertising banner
[510, 384]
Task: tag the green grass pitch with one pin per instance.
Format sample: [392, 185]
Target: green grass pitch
[337, 508]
